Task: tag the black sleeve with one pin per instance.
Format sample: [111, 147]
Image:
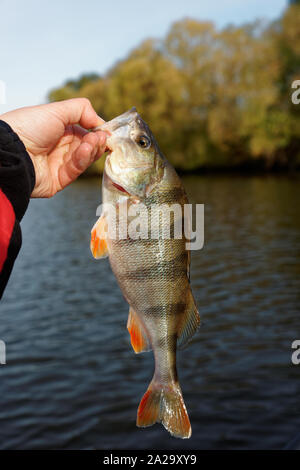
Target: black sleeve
[17, 180]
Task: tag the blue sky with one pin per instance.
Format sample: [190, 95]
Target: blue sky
[43, 43]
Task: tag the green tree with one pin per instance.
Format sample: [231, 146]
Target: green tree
[212, 97]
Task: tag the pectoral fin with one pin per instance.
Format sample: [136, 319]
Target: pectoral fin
[190, 322]
[99, 239]
[139, 338]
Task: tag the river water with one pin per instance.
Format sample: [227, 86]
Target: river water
[71, 379]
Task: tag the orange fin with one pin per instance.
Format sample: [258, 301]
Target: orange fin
[99, 239]
[190, 322]
[166, 406]
[139, 339]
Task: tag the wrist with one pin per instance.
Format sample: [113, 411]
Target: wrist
[13, 146]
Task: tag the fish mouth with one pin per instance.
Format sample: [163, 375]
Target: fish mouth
[124, 119]
[128, 121]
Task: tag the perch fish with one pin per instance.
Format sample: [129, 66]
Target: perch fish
[153, 273]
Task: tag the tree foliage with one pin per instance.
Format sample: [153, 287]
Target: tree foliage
[212, 98]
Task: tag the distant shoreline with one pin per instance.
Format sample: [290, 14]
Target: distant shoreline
[244, 169]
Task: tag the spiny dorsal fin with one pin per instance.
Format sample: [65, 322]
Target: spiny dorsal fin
[139, 338]
[98, 238]
[190, 322]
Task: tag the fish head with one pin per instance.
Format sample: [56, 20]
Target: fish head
[134, 164]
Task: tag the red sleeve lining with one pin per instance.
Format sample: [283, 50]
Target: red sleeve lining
[7, 222]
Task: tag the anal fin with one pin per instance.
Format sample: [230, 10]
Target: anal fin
[139, 338]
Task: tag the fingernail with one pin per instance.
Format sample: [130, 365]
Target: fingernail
[82, 164]
[101, 121]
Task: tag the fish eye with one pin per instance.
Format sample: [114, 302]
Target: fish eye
[144, 141]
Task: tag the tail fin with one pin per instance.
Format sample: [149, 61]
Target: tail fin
[165, 405]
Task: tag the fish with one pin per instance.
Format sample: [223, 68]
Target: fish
[152, 272]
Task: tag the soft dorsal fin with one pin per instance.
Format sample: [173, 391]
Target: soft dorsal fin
[190, 322]
[99, 238]
[139, 338]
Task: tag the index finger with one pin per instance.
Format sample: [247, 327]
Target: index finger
[78, 111]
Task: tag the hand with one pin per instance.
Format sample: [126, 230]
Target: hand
[57, 141]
